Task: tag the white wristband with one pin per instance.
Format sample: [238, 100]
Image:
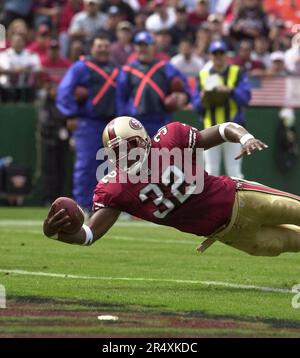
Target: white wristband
[223, 126]
[88, 235]
[245, 138]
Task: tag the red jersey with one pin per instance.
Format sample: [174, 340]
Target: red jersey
[168, 203]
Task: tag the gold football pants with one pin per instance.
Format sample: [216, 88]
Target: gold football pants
[264, 222]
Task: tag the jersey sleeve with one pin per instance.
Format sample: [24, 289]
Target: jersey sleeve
[101, 198]
[182, 135]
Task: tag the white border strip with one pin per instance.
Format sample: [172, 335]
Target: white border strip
[103, 278]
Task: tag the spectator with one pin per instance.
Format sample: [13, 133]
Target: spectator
[199, 16]
[86, 98]
[70, 9]
[16, 9]
[17, 26]
[163, 43]
[126, 11]
[47, 12]
[215, 24]
[41, 44]
[203, 38]
[278, 40]
[88, 22]
[181, 29]
[243, 59]
[223, 91]
[250, 21]
[113, 19]
[122, 48]
[163, 17]
[186, 61]
[54, 134]
[140, 18]
[19, 69]
[292, 60]
[261, 51]
[277, 67]
[76, 50]
[144, 84]
[53, 65]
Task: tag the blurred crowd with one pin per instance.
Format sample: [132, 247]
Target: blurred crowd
[45, 36]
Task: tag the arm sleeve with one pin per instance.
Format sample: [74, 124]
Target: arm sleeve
[65, 100]
[122, 94]
[100, 198]
[184, 136]
[242, 92]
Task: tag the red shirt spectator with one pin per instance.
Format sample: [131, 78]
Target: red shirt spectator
[243, 59]
[54, 66]
[71, 8]
[41, 44]
[200, 14]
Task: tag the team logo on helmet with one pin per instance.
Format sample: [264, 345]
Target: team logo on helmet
[135, 124]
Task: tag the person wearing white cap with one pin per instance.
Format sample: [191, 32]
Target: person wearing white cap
[88, 22]
[277, 67]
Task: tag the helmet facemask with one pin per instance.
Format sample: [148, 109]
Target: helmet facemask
[129, 154]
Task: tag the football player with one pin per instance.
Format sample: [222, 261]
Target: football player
[247, 216]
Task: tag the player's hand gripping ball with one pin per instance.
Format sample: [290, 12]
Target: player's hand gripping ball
[74, 212]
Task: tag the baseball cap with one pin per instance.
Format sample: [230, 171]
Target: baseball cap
[113, 10]
[144, 37]
[217, 46]
[124, 25]
[180, 8]
[277, 56]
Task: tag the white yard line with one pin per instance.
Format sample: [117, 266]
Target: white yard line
[105, 278]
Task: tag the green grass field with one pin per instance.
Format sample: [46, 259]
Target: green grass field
[149, 276]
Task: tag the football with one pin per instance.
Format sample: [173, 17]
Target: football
[74, 211]
[176, 85]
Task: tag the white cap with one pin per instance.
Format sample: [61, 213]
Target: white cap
[286, 112]
[277, 56]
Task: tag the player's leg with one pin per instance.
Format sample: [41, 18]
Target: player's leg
[233, 167]
[265, 240]
[267, 206]
[212, 159]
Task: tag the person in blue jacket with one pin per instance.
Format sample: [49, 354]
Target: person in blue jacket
[86, 97]
[145, 85]
[223, 92]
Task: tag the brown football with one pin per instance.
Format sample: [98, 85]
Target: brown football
[81, 93]
[176, 85]
[74, 211]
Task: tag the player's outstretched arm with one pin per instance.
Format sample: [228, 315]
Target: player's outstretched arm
[99, 224]
[231, 132]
